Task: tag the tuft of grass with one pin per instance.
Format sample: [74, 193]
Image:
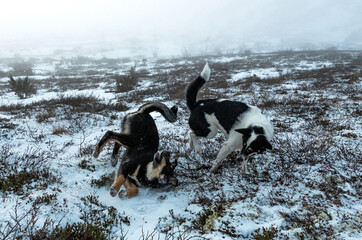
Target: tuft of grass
[86, 164]
[104, 180]
[59, 131]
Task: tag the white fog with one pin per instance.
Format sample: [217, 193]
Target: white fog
[169, 27]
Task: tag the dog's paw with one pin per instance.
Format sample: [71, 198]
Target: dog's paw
[95, 154]
[113, 191]
[122, 193]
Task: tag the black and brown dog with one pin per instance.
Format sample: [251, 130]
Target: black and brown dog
[141, 163]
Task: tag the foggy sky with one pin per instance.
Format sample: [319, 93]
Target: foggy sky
[34, 23]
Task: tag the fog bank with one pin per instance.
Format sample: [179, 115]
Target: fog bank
[161, 27]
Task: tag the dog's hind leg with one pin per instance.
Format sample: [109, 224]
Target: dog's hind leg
[117, 184]
[194, 144]
[131, 189]
[114, 158]
[120, 138]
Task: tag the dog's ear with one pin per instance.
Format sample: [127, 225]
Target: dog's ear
[267, 145]
[258, 130]
[156, 158]
[244, 131]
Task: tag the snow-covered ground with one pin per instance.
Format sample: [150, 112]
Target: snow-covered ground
[307, 187]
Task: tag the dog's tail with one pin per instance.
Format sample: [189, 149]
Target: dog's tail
[194, 87]
[169, 114]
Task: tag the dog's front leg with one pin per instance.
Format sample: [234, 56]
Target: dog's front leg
[224, 152]
[194, 143]
[117, 184]
[191, 145]
[244, 165]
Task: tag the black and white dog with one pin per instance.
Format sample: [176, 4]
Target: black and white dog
[141, 163]
[244, 126]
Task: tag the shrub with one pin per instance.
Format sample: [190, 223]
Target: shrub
[97, 222]
[3, 74]
[60, 131]
[205, 220]
[86, 164]
[75, 103]
[79, 231]
[20, 171]
[45, 116]
[104, 180]
[127, 82]
[265, 233]
[22, 88]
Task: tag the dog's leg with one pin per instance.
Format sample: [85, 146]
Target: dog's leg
[191, 145]
[120, 138]
[244, 165]
[131, 189]
[114, 158]
[194, 143]
[224, 152]
[117, 184]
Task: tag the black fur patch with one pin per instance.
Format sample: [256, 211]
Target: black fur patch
[259, 145]
[192, 90]
[226, 112]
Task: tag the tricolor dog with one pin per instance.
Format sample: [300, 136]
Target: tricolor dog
[141, 163]
[244, 126]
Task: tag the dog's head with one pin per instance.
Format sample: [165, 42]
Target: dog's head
[254, 141]
[162, 162]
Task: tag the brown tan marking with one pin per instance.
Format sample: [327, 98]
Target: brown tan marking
[118, 182]
[131, 189]
[99, 148]
[155, 172]
[135, 174]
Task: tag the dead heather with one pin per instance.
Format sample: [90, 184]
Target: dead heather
[73, 103]
[21, 173]
[308, 185]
